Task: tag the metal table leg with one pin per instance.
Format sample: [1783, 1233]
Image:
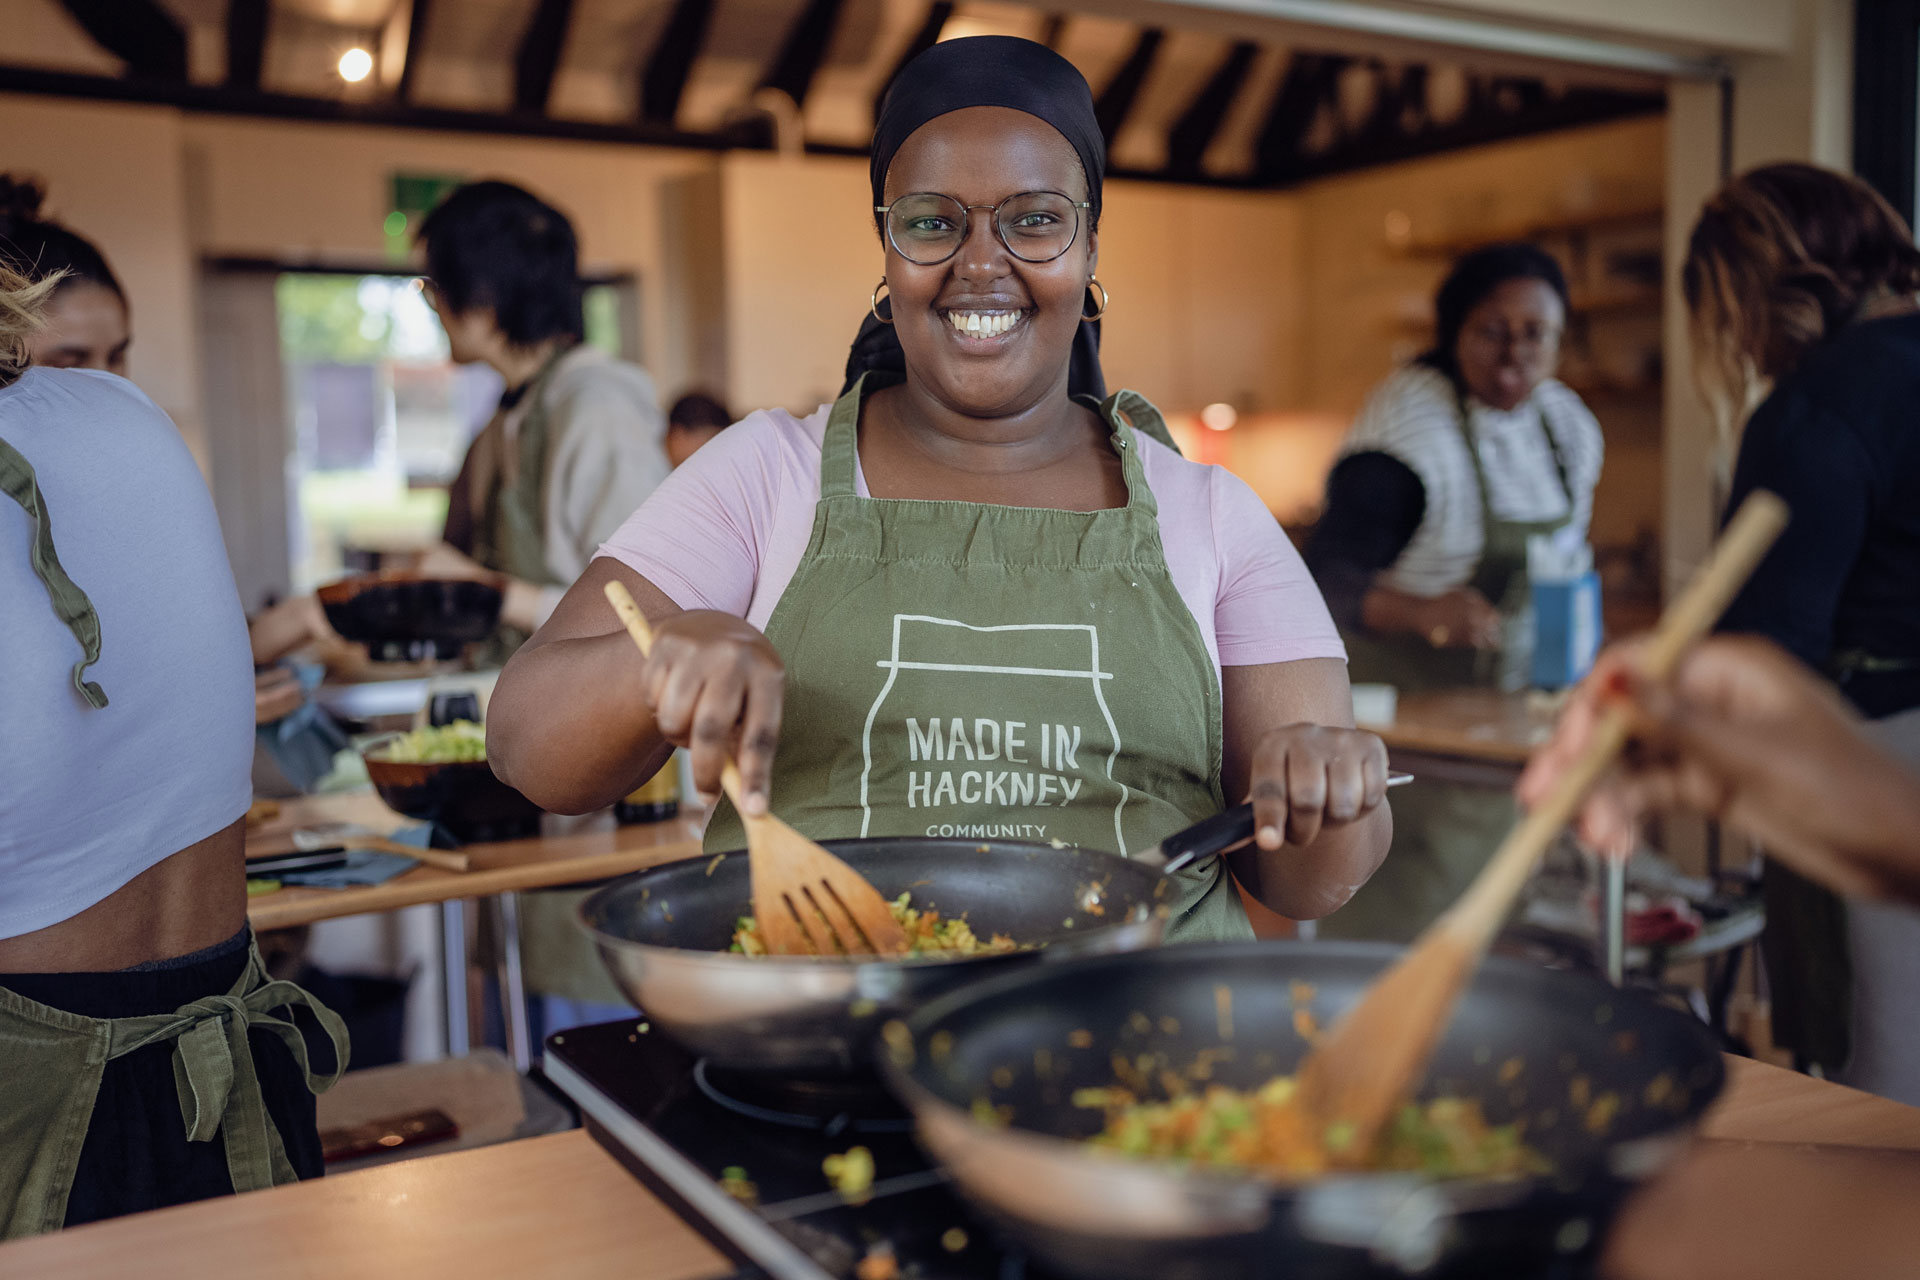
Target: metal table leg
[1613, 917]
[453, 961]
[513, 989]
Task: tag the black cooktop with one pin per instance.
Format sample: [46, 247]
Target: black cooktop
[678, 1127]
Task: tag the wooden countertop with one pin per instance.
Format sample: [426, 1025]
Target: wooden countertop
[505, 867]
[552, 1208]
[1470, 724]
[559, 1207]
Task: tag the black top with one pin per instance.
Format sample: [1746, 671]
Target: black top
[1375, 503]
[1839, 439]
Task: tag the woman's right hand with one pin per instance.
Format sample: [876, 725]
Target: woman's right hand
[1745, 734]
[1458, 619]
[715, 685]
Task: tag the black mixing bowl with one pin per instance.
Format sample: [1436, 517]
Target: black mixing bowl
[402, 617]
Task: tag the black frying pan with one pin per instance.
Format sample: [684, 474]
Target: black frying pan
[664, 933]
[1025, 1041]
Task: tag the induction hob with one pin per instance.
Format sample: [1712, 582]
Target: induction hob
[678, 1127]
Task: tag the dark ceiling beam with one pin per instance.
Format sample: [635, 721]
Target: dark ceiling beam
[804, 50]
[1199, 124]
[1579, 107]
[924, 39]
[1116, 100]
[1483, 122]
[140, 33]
[538, 57]
[1399, 104]
[416, 48]
[246, 42]
[1310, 82]
[664, 78]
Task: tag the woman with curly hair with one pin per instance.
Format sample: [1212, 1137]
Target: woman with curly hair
[1801, 285]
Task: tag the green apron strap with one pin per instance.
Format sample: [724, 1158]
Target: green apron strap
[213, 1072]
[1465, 422]
[840, 443]
[70, 603]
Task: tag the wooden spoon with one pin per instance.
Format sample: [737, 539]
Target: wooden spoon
[806, 901]
[1368, 1064]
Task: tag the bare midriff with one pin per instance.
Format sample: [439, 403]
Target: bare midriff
[193, 899]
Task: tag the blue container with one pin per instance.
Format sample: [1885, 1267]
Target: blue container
[1566, 630]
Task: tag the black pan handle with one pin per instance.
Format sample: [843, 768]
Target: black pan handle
[1207, 837]
[1215, 835]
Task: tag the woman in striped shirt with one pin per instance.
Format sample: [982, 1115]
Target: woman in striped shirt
[1455, 461]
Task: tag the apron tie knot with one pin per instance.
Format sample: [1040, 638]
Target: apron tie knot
[204, 1059]
[213, 1072]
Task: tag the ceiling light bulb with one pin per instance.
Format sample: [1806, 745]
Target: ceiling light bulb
[355, 64]
[1219, 417]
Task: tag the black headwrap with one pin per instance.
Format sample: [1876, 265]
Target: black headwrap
[987, 71]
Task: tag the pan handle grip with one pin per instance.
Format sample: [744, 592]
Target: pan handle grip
[1208, 837]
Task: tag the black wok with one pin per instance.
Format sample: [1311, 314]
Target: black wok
[664, 933]
[1025, 1041]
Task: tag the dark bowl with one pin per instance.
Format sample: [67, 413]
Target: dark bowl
[402, 617]
[462, 796]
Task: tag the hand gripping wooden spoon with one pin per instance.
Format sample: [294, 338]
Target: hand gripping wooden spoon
[1369, 1063]
[806, 901]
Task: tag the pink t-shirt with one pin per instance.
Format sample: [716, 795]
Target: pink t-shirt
[727, 531]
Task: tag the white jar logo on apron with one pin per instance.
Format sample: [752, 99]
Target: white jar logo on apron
[982, 731]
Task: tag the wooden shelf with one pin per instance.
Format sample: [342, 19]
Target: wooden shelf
[1646, 300]
[1608, 389]
[1454, 246]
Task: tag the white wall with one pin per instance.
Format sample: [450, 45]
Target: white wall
[275, 189]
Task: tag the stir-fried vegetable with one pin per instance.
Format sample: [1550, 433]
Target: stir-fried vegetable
[461, 740]
[851, 1174]
[928, 933]
[1267, 1131]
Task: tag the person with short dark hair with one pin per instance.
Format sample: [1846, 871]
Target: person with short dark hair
[695, 419]
[577, 442]
[87, 325]
[1453, 464]
[576, 445]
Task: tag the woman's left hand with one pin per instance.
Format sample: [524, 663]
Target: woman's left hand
[1309, 778]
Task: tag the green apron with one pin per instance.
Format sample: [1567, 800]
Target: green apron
[1443, 833]
[510, 535]
[986, 672]
[51, 1061]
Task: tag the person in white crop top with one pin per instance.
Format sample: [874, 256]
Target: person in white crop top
[126, 701]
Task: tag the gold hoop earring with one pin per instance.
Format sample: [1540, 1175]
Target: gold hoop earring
[874, 305]
[1093, 282]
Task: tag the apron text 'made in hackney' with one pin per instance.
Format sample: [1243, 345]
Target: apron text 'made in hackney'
[974, 671]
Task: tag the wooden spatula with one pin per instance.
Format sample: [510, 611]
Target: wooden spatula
[807, 901]
[1370, 1062]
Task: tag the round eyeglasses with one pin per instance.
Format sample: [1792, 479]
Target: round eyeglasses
[926, 228]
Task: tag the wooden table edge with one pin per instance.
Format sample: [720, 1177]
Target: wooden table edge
[298, 905]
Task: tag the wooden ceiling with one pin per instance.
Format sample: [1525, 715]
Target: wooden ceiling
[1178, 104]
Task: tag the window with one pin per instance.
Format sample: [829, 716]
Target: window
[381, 416]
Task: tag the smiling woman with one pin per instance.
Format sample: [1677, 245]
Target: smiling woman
[975, 592]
